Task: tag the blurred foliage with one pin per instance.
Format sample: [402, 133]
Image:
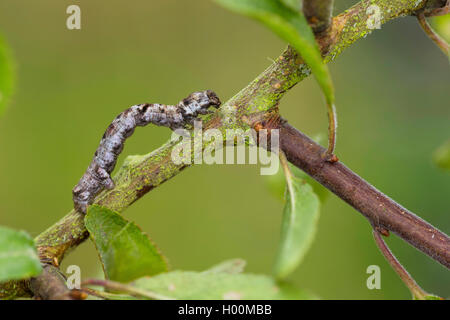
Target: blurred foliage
[299, 224]
[442, 26]
[7, 74]
[291, 25]
[442, 156]
[18, 255]
[229, 266]
[224, 281]
[392, 89]
[221, 286]
[293, 4]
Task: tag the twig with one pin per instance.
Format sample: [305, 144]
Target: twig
[382, 212]
[106, 295]
[416, 290]
[441, 43]
[133, 291]
[51, 285]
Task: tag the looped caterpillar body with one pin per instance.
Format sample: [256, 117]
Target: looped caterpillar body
[98, 175]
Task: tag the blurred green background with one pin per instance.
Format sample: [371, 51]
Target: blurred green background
[392, 99]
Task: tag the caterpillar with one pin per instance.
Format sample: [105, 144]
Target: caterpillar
[98, 175]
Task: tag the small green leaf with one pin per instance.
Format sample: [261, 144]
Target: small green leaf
[18, 255]
[441, 156]
[229, 266]
[276, 183]
[219, 286]
[290, 25]
[125, 251]
[299, 225]
[7, 74]
[442, 26]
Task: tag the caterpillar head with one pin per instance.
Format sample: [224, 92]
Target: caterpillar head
[214, 100]
[199, 102]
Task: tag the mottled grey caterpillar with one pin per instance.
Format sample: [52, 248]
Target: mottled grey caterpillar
[97, 176]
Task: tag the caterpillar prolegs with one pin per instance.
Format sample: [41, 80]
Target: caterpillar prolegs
[97, 176]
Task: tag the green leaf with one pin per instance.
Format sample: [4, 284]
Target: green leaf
[7, 75]
[441, 156]
[229, 266]
[125, 251]
[290, 25]
[299, 225]
[219, 286]
[295, 5]
[222, 281]
[442, 26]
[276, 184]
[105, 295]
[18, 255]
[131, 292]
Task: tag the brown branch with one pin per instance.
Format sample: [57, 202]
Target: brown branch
[51, 285]
[318, 13]
[382, 212]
